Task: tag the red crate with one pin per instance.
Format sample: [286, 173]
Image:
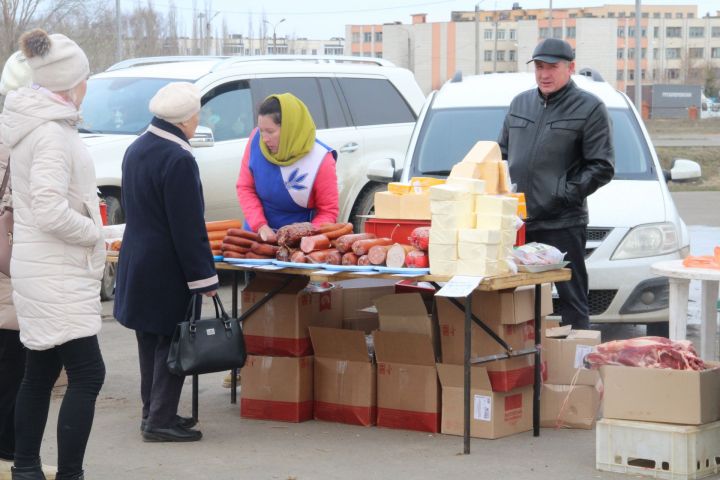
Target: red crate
[397, 230]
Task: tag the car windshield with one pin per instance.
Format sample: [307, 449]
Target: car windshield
[119, 105]
[448, 134]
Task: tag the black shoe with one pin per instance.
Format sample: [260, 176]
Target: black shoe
[27, 473]
[184, 422]
[171, 434]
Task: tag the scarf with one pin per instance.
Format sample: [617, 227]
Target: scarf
[297, 132]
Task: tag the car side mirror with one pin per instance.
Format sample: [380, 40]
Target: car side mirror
[203, 137]
[382, 170]
[684, 170]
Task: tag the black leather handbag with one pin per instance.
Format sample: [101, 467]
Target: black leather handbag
[206, 345]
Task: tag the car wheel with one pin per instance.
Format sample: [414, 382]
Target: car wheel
[365, 205]
[115, 215]
[659, 329]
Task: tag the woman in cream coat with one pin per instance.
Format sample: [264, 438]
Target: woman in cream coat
[58, 253]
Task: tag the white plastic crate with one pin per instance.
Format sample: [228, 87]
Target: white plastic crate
[658, 450]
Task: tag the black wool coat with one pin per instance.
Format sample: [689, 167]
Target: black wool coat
[165, 255]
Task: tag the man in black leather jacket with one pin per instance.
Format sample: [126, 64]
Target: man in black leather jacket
[557, 140]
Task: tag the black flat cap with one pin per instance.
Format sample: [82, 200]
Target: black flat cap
[553, 50]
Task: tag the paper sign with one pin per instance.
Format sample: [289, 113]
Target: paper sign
[324, 272]
[366, 272]
[483, 408]
[267, 267]
[459, 286]
[580, 352]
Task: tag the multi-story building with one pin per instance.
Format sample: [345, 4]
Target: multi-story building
[676, 45]
[238, 44]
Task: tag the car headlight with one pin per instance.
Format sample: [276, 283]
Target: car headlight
[648, 241]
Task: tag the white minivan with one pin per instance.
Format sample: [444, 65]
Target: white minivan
[633, 220]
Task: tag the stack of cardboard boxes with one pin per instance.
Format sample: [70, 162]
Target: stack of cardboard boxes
[277, 379]
[501, 390]
[571, 394]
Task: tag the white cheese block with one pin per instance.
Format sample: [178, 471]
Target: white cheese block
[451, 207]
[494, 222]
[470, 251]
[443, 251]
[453, 222]
[472, 185]
[495, 205]
[508, 237]
[484, 151]
[439, 235]
[443, 267]
[477, 267]
[474, 235]
[448, 192]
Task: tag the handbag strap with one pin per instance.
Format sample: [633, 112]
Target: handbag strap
[220, 312]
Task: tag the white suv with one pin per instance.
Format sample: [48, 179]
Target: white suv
[364, 108]
[633, 220]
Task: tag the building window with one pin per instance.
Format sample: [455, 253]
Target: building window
[621, 14]
[377, 54]
[488, 34]
[668, 15]
[671, 53]
[715, 52]
[631, 74]
[643, 53]
[672, 73]
[631, 53]
[656, 53]
[690, 15]
[673, 32]
[511, 55]
[501, 34]
[544, 32]
[333, 50]
[532, 17]
[488, 55]
[500, 54]
[642, 74]
[257, 51]
[610, 15]
[356, 37]
[488, 19]
[645, 15]
[656, 32]
[678, 15]
[620, 74]
[620, 53]
[303, 51]
[557, 32]
[656, 15]
[621, 32]
[631, 32]
[696, 52]
[570, 32]
[697, 32]
[314, 51]
[378, 36]
[367, 37]
[715, 32]
[513, 35]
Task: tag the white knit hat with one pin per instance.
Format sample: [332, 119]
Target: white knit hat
[15, 74]
[57, 62]
[176, 102]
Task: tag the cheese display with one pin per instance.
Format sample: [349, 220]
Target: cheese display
[495, 205]
[451, 207]
[472, 185]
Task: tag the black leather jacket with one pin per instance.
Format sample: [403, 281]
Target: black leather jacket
[560, 151]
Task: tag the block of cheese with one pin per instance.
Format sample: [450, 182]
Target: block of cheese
[489, 172]
[477, 267]
[413, 206]
[449, 192]
[472, 185]
[453, 222]
[475, 235]
[484, 151]
[443, 267]
[443, 251]
[452, 207]
[468, 250]
[467, 170]
[447, 237]
[495, 222]
[495, 205]
[509, 236]
[504, 180]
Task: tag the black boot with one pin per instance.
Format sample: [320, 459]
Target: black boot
[27, 473]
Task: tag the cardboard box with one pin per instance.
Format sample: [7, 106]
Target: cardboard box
[359, 311]
[407, 384]
[405, 313]
[685, 397]
[564, 351]
[413, 206]
[565, 406]
[492, 415]
[280, 327]
[344, 377]
[277, 388]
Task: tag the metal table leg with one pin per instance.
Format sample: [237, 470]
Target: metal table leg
[466, 383]
[537, 384]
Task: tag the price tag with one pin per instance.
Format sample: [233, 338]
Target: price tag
[459, 286]
[580, 352]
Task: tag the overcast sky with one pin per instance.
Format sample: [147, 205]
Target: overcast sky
[321, 19]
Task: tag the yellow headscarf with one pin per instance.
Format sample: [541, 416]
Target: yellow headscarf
[297, 132]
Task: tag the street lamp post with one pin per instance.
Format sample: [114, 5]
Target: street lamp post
[207, 33]
[274, 27]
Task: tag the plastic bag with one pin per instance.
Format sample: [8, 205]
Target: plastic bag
[704, 261]
[537, 254]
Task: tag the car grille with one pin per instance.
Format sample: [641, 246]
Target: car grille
[598, 301]
[595, 235]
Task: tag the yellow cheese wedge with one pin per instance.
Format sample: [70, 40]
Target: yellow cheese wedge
[399, 188]
[466, 170]
[484, 151]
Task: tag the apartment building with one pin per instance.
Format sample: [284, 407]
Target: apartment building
[238, 44]
[677, 46]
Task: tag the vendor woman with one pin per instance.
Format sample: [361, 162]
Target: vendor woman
[287, 175]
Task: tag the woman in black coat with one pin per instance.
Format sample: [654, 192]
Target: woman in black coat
[165, 256]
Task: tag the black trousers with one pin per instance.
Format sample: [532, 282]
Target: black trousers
[12, 367]
[86, 372]
[573, 294]
[159, 389]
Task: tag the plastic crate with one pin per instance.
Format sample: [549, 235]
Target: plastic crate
[397, 230]
[658, 450]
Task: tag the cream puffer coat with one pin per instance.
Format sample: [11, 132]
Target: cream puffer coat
[8, 320]
[58, 251]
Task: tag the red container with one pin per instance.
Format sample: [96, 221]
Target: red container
[397, 230]
[520, 236]
[103, 212]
